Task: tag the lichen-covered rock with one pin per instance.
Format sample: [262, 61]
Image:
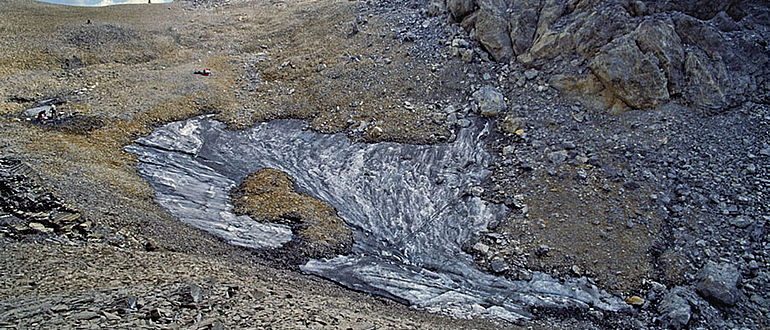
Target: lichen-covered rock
[630, 74]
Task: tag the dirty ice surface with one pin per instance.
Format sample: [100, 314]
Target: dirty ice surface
[410, 207]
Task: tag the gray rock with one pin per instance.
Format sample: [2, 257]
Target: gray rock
[658, 38]
[719, 283]
[499, 265]
[631, 75]
[460, 8]
[195, 293]
[511, 124]
[85, 315]
[436, 7]
[492, 32]
[491, 102]
[481, 248]
[708, 86]
[523, 24]
[530, 74]
[675, 311]
[558, 157]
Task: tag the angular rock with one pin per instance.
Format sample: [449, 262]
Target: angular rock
[436, 7]
[630, 74]
[511, 124]
[523, 25]
[719, 283]
[499, 265]
[675, 311]
[492, 31]
[460, 8]
[491, 102]
[657, 37]
[708, 87]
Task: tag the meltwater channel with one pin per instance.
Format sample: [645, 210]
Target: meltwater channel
[408, 206]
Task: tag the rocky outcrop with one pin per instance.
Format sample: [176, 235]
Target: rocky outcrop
[645, 53]
[27, 207]
[630, 74]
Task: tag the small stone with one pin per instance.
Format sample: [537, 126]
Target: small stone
[499, 265]
[466, 55]
[40, 227]
[110, 316]
[511, 124]
[481, 248]
[530, 74]
[635, 301]
[195, 293]
[85, 315]
[60, 308]
[674, 309]
[464, 123]
[375, 132]
[576, 270]
[542, 250]
[557, 157]
[765, 152]
[740, 222]
[508, 150]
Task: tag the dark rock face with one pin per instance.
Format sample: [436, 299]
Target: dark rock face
[719, 283]
[644, 52]
[492, 31]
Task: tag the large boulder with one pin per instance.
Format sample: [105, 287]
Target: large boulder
[492, 32]
[719, 283]
[460, 8]
[709, 82]
[585, 34]
[657, 37]
[523, 24]
[630, 74]
[491, 102]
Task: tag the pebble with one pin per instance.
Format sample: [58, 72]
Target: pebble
[530, 74]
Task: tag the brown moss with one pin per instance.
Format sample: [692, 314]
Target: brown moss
[269, 196]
